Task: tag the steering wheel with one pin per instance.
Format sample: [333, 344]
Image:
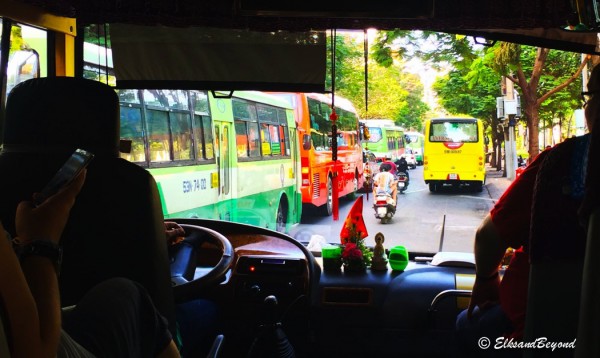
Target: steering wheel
[183, 261]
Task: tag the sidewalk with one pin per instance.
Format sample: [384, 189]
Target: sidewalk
[495, 183]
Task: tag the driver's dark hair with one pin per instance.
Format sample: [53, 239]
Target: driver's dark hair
[385, 167]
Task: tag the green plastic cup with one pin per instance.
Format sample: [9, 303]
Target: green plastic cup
[332, 257]
[398, 258]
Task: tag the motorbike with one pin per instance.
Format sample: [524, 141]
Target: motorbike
[384, 206]
[402, 181]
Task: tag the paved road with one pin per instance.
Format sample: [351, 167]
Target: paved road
[423, 220]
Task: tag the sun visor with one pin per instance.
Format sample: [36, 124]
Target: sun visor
[554, 38]
[220, 59]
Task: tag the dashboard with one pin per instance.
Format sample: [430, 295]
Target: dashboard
[415, 308]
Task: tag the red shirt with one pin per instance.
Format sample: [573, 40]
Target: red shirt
[512, 218]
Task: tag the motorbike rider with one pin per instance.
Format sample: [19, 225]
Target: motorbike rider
[402, 166]
[385, 181]
[393, 170]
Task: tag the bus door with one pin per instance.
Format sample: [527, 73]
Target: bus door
[223, 158]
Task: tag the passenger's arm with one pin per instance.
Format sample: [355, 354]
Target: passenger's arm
[489, 251]
[30, 290]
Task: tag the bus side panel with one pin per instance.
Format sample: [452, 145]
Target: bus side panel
[187, 191]
[254, 204]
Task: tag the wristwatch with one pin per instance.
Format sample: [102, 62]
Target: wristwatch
[44, 248]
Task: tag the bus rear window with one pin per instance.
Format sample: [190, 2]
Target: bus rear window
[454, 131]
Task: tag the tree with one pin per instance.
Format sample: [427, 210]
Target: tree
[391, 93]
[473, 92]
[540, 73]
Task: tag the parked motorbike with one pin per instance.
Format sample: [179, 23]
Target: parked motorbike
[402, 181]
[384, 206]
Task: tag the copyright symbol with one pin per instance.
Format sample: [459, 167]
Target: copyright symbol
[484, 343]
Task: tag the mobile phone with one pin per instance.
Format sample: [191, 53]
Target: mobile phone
[69, 171]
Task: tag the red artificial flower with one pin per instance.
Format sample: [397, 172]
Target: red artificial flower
[352, 252]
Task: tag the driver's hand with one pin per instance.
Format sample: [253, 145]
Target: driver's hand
[485, 294]
[174, 233]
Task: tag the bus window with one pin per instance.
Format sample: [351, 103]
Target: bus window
[180, 131]
[320, 141]
[241, 139]
[202, 126]
[265, 138]
[375, 134]
[132, 130]
[27, 55]
[203, 138]
[253, 140]
[245, 111]
[284, 135]
[274, 135]
[453, 132]
[157, 123]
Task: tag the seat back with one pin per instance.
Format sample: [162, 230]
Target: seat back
[556, 248]
[588, 344]
[116, 225]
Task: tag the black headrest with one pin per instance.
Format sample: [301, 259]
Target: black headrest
[61, 114]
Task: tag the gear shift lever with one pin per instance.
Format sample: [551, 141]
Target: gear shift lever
[271, 341]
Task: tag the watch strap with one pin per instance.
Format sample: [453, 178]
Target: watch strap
[43, 248]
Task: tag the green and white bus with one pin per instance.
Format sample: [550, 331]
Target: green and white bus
[386, 140]
[186, 139]
[416, 143]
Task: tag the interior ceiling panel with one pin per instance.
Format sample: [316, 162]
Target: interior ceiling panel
[502, 20]
[312, 14]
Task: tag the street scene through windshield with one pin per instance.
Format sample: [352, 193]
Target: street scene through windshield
[424, 222]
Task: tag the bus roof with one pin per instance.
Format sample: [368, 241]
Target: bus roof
[261, 97]
[378, 122]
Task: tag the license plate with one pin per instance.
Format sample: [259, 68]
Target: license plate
[453, 176]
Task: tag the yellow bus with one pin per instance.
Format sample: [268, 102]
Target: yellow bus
[454, 153]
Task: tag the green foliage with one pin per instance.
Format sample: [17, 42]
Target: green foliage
[346, 54]
[506, 56]
[471, 92]
[435, 48]
[391, 93]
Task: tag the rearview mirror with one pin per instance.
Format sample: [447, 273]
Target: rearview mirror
[23, 65]
[306, 142]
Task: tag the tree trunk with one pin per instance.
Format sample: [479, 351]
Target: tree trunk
[498, 152]
[533, 129]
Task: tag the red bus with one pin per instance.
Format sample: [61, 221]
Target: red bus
[314, 126]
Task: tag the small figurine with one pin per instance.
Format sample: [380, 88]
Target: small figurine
[380, 260]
